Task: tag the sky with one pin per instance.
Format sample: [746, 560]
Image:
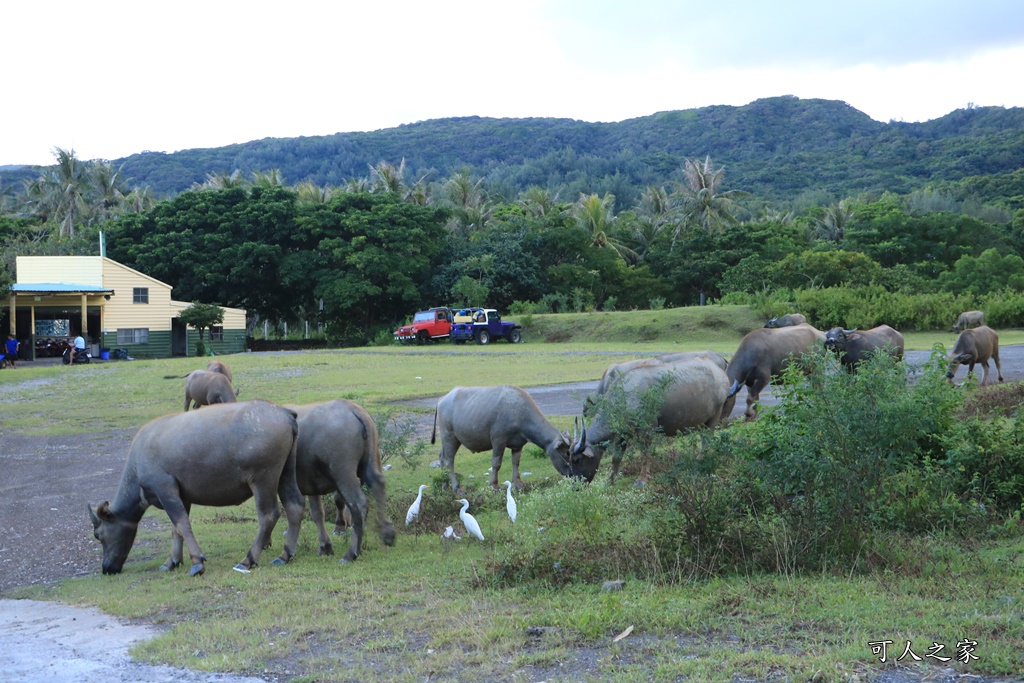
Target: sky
[113, 78]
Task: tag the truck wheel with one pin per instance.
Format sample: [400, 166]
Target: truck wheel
[483, 337]
[514, 337]
[422, 337]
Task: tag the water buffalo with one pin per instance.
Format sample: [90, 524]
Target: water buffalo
[854, 346]
[975, 346]
[763, 354]
[787, 320]
[207, 387]
[495, 418]
[969, 319]
[616, 369]
[338, 452]
[220, 456]
[695, 391]
[221, 367]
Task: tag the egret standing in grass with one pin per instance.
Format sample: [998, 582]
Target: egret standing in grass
[468, 520]
[510, 502]
[414, 509]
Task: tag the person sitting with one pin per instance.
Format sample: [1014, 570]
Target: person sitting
[77, 348]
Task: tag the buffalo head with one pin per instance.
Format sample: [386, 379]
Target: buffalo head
[580, 459]
[837, 338]
[115, 535]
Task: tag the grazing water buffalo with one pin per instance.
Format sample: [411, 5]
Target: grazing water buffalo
[221, 367]
[207, 387]
[763, 354]
[975, 346]
[695, 391]
[220, 456]
[854, 346]
[969, 319]
[787, 320]
[338, 452]
[616, 369]
[495, 418]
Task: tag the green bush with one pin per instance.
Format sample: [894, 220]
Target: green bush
[575, 532]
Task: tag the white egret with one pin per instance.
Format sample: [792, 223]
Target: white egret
[510, 502]
[414, 509]
[468, 520]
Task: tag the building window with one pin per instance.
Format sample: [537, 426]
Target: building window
[140, 295]
[133, 335]
[217, 333]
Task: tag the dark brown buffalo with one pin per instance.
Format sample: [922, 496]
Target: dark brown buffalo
[763, 354]
[220, 456]
[207, 387]
[787, 320]
[338, 452]
[221, 367]
[977, 345]
[854, 346]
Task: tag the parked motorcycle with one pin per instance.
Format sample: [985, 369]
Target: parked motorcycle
[82, 356]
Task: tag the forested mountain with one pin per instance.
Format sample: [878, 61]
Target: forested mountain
[775, 148]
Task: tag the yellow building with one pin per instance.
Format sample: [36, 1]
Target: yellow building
[112, 306]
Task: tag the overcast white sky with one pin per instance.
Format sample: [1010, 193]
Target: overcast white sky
[113, 78]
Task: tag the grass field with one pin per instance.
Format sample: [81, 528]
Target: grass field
[429, 610]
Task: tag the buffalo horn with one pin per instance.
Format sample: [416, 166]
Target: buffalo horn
[735, 388]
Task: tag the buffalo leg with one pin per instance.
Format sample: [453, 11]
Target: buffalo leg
[178, 514]
[448, 448]
[344, 518]
[754, 389]
[358, 505]
[999, 367]
[316, 511]
[267, 514]
[497, 454]
[517, 483]
[177, 546]
[294, 505]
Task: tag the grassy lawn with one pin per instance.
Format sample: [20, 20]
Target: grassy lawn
[427, 609]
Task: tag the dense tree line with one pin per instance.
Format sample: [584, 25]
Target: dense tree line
[362, 255]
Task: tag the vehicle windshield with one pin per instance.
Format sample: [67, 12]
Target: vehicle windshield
[423, 317]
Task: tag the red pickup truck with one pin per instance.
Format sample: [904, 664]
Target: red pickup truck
[435, 323]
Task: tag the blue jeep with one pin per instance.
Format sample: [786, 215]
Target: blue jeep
[483, 325]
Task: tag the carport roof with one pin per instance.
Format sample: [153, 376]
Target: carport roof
[58, 288]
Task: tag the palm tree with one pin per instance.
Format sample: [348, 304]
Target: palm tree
[268, 179]
[701, 197]
[596, 215]
[388, 178]
[60, 192]
[107, 184]
[470, 207]
[140, 199]
[311, 193]
[222, 181]
[832, 225]
[538, 202]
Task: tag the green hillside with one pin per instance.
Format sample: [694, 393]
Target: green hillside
[776, 148]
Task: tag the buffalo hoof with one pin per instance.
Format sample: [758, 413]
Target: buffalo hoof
[327, 549]
[242, 569]
[279, 560]
[347, 560]
[169, 566]
[388, 536]
[197, 569]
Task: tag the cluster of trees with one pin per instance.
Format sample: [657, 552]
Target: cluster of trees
[360, 257]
